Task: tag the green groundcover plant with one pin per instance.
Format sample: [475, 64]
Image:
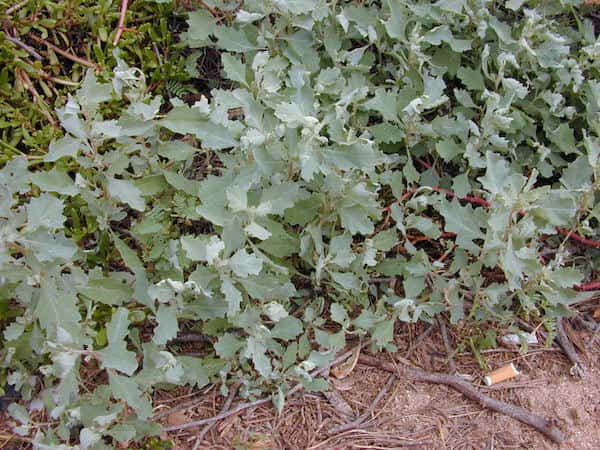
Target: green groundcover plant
[449, 149]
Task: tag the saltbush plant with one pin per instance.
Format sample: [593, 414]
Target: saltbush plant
[367, 163]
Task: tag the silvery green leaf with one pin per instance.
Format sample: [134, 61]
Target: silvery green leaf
[280, 243]
[45, 211]
[280, 197]
[356, 221]
[194, 372]
[182, 119]
[257, 352]
[512, 266]
[383, 333]
[126, 192]
[106, 129]
[124, 388]
[461, 185]
[65, 146]
[287, 328]
[296, 6]
[109, 291]
[228, 345]
[278, 398]
[201, 25]
[398, 217]
[465, 222]
[346, 279]
[471, 78]
[168, 327]
[257, 231]
[232, 295]
[129, 256]
[15, 176]
[234, 40]
[237, 198]
[496, 174]
[448, 149]
[180, 182]
[214, 248]
[243, 263]
[70, 119]
[88, 438]
[424, 224]
[49, 247]
[118, 328]
[385, 104]
[339, 314]
[396, 24]
[55, 181]
[13, 331]
[234, 68]
[593, 149]
[122, 433]
[340, 250]
[557, 207]
[291, 113]
[194, 248]
[116, 356]
[56, 308]
[247, 17]
[176, 150]
[275, 311]
[19, 413]
[578, 175]
[215, 136]
[91, 93]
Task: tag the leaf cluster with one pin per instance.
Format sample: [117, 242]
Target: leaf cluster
[442, 148]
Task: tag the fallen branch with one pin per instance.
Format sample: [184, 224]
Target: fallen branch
[263, 401]
[541, 424]
[121, 26]
[66, 54]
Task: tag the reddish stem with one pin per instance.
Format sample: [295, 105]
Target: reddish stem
[121, 26]
[592, 286]
[577, 237]
[424, 163]
[469, 198]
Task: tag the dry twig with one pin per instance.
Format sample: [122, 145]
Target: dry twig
[225, 408]
[24, 46]
[449, 352]
[121, 26]
[541, 424]
[16, 7]
[578, 369]
[418, 341]
[66, 54]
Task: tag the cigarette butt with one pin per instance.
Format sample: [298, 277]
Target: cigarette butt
[502, 374]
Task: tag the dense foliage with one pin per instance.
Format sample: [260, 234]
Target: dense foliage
[365, 163]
